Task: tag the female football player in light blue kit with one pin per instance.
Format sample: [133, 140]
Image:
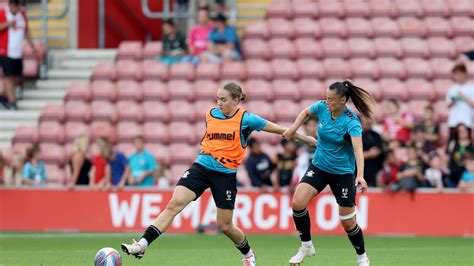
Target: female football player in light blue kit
[338, 153]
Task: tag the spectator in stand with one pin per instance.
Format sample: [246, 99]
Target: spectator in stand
[467, 178]
[100, 171]
[285, 165]
[373, 153]
[259, 166]
[435, 173]
[119, 166]
[198, 37]
[459, 149]
[79, 164]
[223, 44]
[423, 148]
[411, 173]
[13, 30]
[143, 166]
[34, 172]
[3, 164]
[174, 43]
[430, 129]
[397, 124]
[460, 100]
[388, 175]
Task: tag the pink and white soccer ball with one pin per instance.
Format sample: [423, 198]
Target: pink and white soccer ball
[108, 257]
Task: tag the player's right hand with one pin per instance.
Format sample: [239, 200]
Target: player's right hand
[289, 134]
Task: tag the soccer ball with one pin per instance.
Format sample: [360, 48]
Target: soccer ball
[108, 257]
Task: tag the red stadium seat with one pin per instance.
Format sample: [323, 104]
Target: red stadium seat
[129, 70]
[420, 89]
[463, 43]
[284, 69]
[261, 108]
[182, 132]
[155, 90]
[26, 134]
[199, 130]
[161, 153]
[130, 111]
[180, 90]
[73, 130]
[383, 8]
[56, 175]
[103, 111]
[51, 132]
[286, 110]
[357, 8]
[306, 10]
[78, 92]
[391, 68]
[411, 27]
[364, 68]
[182, 71]
[385, 27]
[103, 90]
[202, 107]
[461, 7]
[441, 67]
[306, 28]
[331, 9]
[280, 10]
[155, 132]
[129, 90]
[442, 47]
[308, 48]
[126, 148]
[282, 48]
[103, 129]
[20, 149]
[286, 89]
[388, 47]
[154, 70]
[257, 89]
[30, 68]
[183, 153]
[310, 69]
[415, 47]
[361, 47]
[312, 89]
[130, 50]
[53, 112]
[436, 8]
[233, 71]
[418, 68]
[437, 26]
[359, 27]
[370, 86]
[256, 49]
[335, 47]
[104, 71]
[127, 131]
[156, 111]
[53, 154]
[441, 110]
[462, 26]
[393, 88]
[182, 111]
[152, 49]
[409, 8]
[205, 89]
[442, 87]
[258, 69]
[257, 30]
[333, 27]
[77, 111]
[281, 28]
[209, 70]
[337, 68]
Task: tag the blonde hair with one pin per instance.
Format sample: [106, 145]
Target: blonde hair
[81, 144]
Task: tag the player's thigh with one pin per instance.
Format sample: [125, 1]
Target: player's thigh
[195, 179]
[303, 195]
[182, 196]
[344, 189]
[224, 190]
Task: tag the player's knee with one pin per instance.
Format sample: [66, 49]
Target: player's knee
[175, 206]
[224, 226]
[298, 204]
[348, 224]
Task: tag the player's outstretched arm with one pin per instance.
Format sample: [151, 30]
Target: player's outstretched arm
[277, 129]
[290, 133]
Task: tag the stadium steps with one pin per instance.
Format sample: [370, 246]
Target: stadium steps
[68, 66]
[249, 10]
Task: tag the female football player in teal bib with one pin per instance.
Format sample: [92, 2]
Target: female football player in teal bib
[337, 154]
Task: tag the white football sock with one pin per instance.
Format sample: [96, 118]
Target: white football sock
[363, 256]
[143, 243]
[307, 244]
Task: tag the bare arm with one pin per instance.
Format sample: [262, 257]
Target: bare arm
[77, 162]
[29, 38]
[372, 153]
[124, 177]
[290, 133]
[466, 99]
[359, 155]
[277, 129]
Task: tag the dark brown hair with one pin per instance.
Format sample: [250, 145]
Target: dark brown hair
[459, 68]
[235, 91]
[31, 152]
[362, 99]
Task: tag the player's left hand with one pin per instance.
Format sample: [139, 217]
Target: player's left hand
[311, 141]
[361, 181]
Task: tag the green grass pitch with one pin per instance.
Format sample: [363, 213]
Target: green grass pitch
[210, 249]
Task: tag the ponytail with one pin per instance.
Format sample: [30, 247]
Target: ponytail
[362, 99]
